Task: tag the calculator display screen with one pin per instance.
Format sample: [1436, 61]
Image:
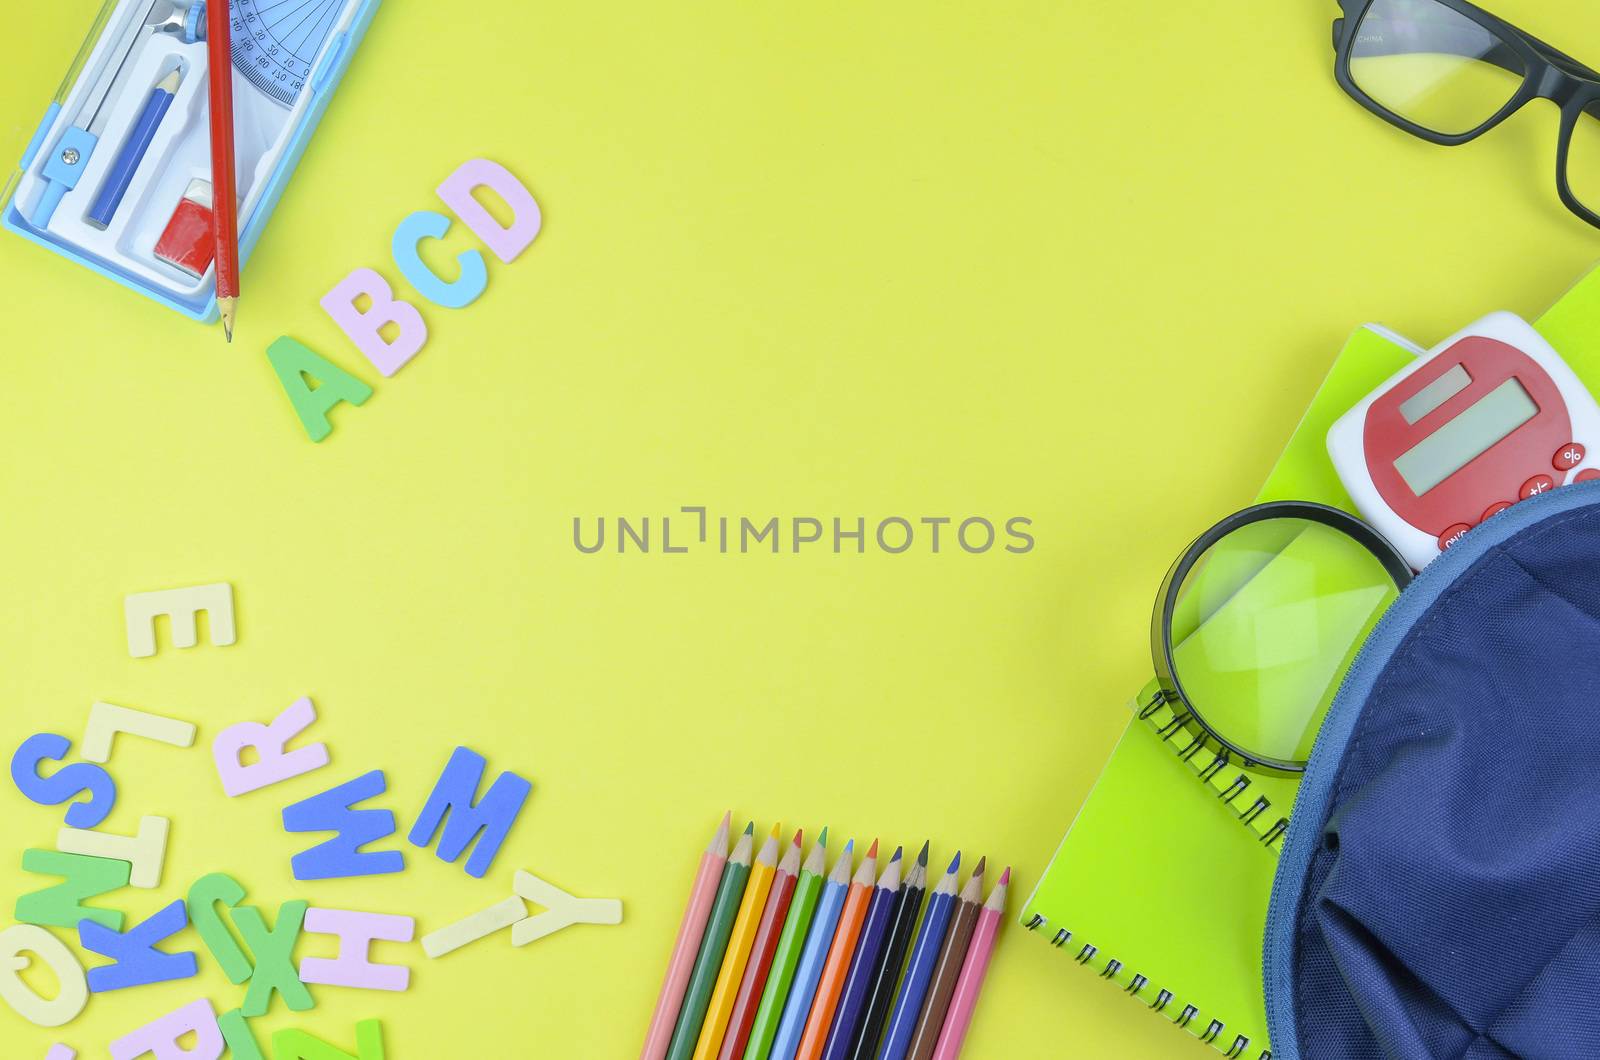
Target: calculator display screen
[1472, 433]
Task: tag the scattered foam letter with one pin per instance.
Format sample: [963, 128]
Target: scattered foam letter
[64, 783]
[451, 804]
[181, 606]
[82, 877]
[203, 895]
[161, 1036]
[333, 811]
[356, 932]
[273, 952]
[145, 853]
[365, 329]
[135, 960]
[274, 764]
[297, 367]
[454, 294]
[241, 1040]
[298, 1045]
[71, 994]
[108, 719]
[562, 910]
[506, 243]
[485, 922]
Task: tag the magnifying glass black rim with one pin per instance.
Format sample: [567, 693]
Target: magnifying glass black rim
[1161, 648]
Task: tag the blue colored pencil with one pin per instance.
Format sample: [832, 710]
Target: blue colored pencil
[919, 972]
[818, 939]
[864, 964]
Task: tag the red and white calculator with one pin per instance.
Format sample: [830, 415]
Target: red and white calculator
[1489, 417]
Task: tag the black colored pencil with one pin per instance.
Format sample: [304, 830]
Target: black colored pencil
[901, 927]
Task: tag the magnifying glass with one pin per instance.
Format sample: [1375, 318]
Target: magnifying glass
[1258, 620]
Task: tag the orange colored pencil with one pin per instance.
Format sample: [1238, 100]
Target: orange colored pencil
[815, 1037]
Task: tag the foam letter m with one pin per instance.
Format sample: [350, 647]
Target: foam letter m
[454, 804]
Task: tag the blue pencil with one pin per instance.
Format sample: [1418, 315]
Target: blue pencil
[919, 972]
[864, 965]
[818, 939]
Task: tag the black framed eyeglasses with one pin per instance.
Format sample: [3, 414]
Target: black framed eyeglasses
[1449, 71]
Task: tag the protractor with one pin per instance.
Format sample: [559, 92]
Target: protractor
[276, 42]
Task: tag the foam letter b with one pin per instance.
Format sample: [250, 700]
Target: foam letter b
[365, 329]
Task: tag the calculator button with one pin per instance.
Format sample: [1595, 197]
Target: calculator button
[1568, 456]
[1588, 474]
[1495, 509]
[1536, 485]
[1452, 535]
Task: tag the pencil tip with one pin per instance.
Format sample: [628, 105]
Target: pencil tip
[750, 829]
[822, 840]
[955, 863]
[799, 836]
[851, 845]
[872, 851]
[922, 858]
[981, 863]
[1005, 877]
[897, 852]
[774, 833]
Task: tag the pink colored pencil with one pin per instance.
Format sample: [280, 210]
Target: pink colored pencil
[965, 1000]
[690, 932]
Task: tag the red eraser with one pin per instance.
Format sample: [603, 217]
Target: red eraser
[188, 241]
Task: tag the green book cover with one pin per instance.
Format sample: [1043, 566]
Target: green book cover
[1161, 884]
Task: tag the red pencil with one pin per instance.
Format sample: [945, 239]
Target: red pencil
[224, 185]
[762, 949]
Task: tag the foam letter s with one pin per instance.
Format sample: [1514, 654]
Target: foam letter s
[64, 783]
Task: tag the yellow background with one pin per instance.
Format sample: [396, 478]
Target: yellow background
[1084, 263]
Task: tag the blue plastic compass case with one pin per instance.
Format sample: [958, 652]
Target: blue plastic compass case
[117, 177]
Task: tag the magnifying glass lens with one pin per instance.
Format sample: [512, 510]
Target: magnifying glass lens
[1264, 625]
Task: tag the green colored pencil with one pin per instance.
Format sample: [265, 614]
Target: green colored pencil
[801, 909]
[697, 997]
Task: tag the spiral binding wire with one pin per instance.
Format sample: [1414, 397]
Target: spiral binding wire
[1211, 766]
[1211, 1034]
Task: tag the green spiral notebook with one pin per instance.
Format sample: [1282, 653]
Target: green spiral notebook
[1170, 907]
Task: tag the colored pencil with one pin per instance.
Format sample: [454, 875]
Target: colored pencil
[831, 983]
[224, 184]
[965, 1001]
[948, 968]
[864, 963]
[762, 950]
[690, 932]
[708, 962]
[801, 909]
[919, 971]
[737, 956]
[901, 929]
[798, 1004]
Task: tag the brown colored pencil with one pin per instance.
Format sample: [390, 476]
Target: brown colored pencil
[948, 968]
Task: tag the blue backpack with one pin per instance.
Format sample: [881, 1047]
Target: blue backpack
[1438, 895]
